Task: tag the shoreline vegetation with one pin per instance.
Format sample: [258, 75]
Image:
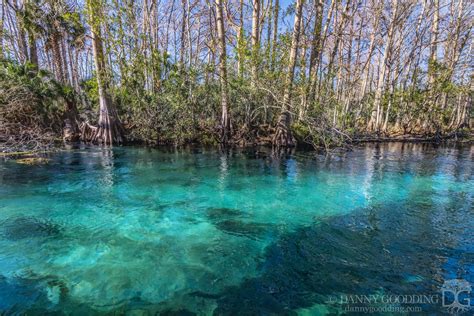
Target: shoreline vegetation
[319, 73]
[40, 156]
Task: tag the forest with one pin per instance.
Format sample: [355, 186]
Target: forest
[233, 72]
[236, 157]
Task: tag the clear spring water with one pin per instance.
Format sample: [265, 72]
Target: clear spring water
[144, 231]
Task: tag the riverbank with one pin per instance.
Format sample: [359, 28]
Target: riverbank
[39, 157]
[10, 150]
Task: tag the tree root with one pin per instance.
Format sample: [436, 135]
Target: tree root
[283, 136]
[106, 134]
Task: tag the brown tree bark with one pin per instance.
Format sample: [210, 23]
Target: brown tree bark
[57, 57]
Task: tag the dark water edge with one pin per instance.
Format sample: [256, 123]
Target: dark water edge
[455, 139]
[399, 246]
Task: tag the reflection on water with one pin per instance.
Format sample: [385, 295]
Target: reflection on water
[246, 231]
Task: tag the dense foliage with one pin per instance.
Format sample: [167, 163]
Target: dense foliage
[162, 70]
[31, 107]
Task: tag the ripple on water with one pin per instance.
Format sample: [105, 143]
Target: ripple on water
[145, 231]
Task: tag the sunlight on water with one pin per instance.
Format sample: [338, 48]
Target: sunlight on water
[202, 231]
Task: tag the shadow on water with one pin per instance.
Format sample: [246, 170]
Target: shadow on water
[28, 227]
[398, 248]
[219, 213]
[237, 223]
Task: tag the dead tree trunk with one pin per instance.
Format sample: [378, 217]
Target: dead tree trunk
[375, 119]
[283, 136]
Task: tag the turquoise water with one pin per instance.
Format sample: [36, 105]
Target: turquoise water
[179, 232]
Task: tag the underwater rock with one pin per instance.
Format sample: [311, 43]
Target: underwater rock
[28, 227]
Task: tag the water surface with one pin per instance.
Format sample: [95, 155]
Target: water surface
[196, 231]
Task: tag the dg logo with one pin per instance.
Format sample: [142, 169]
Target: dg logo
[455, 295]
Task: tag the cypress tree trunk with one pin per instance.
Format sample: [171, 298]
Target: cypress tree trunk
[377, 110]
[432, 69]
[109, 130]
[276, 9]
[241, 42]
[225, 119]
[33, 58]
[56, 50]
[255, 40]
[183, 35]
[315, 52]
[283, 136]
[2, 18]
[71, 130]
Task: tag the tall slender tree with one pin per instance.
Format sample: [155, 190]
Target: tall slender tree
[2, 19]
[315, 49]
[276, 10]
[377, 110]
[225, 117]
[283, 136]
[109, 130]
[255, 39]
